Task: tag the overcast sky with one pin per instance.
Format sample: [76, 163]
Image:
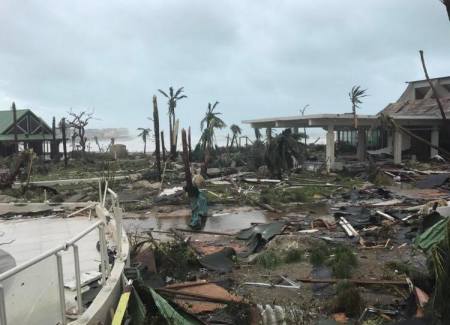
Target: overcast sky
[257, 58]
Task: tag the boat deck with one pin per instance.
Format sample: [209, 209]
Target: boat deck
[26, 238]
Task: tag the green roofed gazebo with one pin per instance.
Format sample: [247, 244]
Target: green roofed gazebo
[29, 132]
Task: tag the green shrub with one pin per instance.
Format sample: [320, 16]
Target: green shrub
[319, 253]
[293, 255]
[343, 262]
[268, 259]
[348, 299]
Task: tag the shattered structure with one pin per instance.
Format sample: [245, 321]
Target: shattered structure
[416, 110]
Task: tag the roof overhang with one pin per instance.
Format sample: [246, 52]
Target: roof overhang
[315, 121]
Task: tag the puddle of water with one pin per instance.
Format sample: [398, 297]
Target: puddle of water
[222, 222]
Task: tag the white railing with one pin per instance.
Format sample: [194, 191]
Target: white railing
[104, 266]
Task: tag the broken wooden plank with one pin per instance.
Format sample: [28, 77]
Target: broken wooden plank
[385, 215]
[351, 232]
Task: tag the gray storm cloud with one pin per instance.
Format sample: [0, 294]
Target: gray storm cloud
[257, 58]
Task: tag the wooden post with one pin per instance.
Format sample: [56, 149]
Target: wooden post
[189, 144]
[163, 147]
[187, 167]
[156, 127]
[64, 140]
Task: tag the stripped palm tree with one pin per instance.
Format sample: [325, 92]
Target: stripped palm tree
[145, 133]
[173, 98]
[208, 124]
[236, 130]
[258, 134]
[356, 94]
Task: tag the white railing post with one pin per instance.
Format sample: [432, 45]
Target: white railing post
[99, 191]
[104, 195]
[62, 297]
[76, 256]
[117, 212]
[103, 253]
[2, 306]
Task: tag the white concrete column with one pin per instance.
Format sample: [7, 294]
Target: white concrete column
[362, 144]
[397, 147]
[330, 148]
[434, 141]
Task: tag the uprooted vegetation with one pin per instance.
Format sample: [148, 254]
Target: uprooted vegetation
[346, 274]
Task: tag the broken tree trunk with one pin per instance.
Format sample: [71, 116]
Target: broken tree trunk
[173, 149]
[156, 127]
[163, 147]
[64, 140]
[445, 123]
[53, 147]
[189, 144]
[413, 135]
[187, 167]
[435, 93]
[170, 136]
[13, 107]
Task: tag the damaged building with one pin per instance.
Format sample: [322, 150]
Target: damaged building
[416, 110]
[26, 131]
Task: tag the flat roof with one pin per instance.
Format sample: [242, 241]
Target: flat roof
[310, 117]
[344, 120]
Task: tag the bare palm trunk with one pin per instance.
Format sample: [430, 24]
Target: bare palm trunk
[187, 167]
[163, 147]
[64, 140]
[189, 144]
[145, 147]
[53, 146]
[204, 168]
[170, 133]
[435, 93]
[156, 127]
[175, 135]
[445, 123]
[15, 126]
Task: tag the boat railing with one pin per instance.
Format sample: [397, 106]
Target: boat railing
[73, 245]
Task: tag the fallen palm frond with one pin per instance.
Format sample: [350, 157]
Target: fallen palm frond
[440, 262]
